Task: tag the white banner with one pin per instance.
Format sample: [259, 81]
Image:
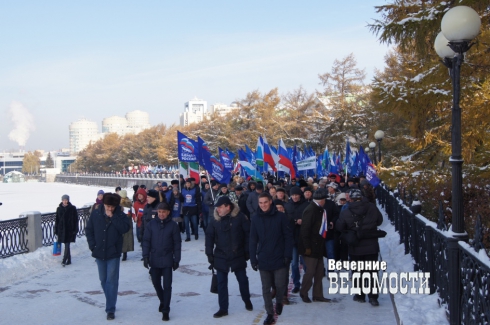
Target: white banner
[308, 163]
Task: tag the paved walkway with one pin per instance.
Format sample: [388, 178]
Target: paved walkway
[36, 289]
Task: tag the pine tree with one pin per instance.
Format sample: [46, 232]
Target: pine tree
[49, 161]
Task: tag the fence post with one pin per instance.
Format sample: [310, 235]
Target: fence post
[430, 259]
[34, 230]
[454, 278]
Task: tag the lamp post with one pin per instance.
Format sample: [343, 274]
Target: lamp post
[372, 145]
[379, 135]
[459, 26]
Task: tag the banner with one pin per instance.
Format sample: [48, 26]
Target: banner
[372, 176]
[308, 163]
[187, 148]
[225, 159]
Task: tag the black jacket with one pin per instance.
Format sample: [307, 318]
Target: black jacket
[162, 242]
[227, 239]
[66, 223]
[149, 212]
[310, 232]
[371, 219]
[294, 212]
[104, 234]
[242, 203]
[271, 239]
[332, 216]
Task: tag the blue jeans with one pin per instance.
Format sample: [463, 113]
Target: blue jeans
[109, 279]
[205, 216]
[192, 219]
[295, 268]
[241, 276]
[330, 247]
[164, 293]
[139, 235]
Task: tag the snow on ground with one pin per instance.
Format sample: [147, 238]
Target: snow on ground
[412, 309]
[36, 289]
[44, 197]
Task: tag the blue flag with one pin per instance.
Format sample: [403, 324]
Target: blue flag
[188, 150]
[225, 159]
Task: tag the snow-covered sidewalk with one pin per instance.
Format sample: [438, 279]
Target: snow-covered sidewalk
[36, 289]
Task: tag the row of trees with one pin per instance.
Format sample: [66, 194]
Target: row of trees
[32, 162]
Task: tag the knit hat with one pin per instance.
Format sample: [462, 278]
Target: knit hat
[222, 185]
[214, 183]
[259, 186]
[238, 188]
[65, 197]
[164, 184]
[135, 187]
[278, 202]
[332, 185]
[295, 191]
[280, 189]
[320, 194]
[118, 188]
[111, 199]
[153, 194]
[100, 192]
[302, 183]
[308, 189]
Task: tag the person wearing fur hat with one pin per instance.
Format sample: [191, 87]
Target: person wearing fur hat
[104, 231]
[227, 249]
[128, 240]
[161, 253]
[150, 210]
[66, 226]
[312, 247]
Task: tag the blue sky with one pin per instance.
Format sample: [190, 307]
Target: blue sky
[65, 60]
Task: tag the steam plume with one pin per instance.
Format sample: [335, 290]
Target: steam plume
[23, 122]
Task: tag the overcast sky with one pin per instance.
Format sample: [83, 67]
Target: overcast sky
[66, 60]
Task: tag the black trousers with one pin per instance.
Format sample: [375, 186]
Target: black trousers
[67, 253]
[369, 257]
[164, 293]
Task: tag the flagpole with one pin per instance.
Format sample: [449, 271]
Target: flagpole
[178, 166]
[210, 188]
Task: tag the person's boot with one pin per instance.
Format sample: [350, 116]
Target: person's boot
[249, 306]
[220, 314]
[374, 302]
[269, 320]
[160, 308]
[165, 317]
[196, 236]
[279, 308]
[68, 260]
[125, 256]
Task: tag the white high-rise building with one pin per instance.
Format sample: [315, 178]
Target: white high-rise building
[82, 132]
[115, 124]
[222, 109]
[194, 111]
[138, 121]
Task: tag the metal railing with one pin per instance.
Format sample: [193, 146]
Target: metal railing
[48, 220]
[457, 273]
[13, 237]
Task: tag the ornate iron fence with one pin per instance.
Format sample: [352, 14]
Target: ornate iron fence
[48, 220]
[457, 273]
[13, 237]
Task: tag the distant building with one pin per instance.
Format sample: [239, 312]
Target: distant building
[223, 109]
[195, 110]
[82, 132]
[13, 161]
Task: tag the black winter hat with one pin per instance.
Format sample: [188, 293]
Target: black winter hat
[222, 185]
[153, 194]
[295, 190]
[320, 194]
[308, 189]
[259, 186]
[111, 199]
[214, 183]
[135, 187]
[223, 200]
[163, 206]
[278, 202]
[280, 189]
[174, 182]
[302, 183]
[238, 188]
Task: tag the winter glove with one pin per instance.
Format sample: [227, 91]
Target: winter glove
[211, 260]
[308, 252]
[255, 267]
[247, 256]
[146, 262]
[287, 261]
[176, 266]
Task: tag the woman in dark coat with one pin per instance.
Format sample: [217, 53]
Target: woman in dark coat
[66, 226]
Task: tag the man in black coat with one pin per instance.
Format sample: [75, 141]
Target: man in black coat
[271, 249]
[331, 240]
[242, 200]
[104, 231]
[150, 211]
[227, 248]
[312, 246]
[367, 216]
[66, 226]
[294, 211]
[161, 251]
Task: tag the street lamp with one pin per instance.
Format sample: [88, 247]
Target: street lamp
[379, 135]
[372, 145]
[459, 26]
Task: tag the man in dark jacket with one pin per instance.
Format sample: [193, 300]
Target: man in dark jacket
[367, 216]
[271, 249]
[227, 248]
[330, 239]
[150, 210]
[162, 240]
[209, 198]
[104, 231]
[242, 200]
[312, 246]
[191, 208]
[253, 198]
[294, 212]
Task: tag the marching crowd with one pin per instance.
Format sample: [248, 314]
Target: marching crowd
[275, 226]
